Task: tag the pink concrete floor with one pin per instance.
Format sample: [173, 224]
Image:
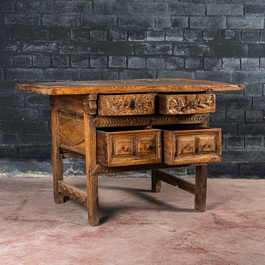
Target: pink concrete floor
[138, 227]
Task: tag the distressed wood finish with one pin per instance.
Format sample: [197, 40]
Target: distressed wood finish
[124, 105]
[162, 85]
[129, 147]
[192, 146]
[186, 104]
[132, 125]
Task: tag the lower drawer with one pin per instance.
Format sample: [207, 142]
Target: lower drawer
[192, 146]
[134, 147]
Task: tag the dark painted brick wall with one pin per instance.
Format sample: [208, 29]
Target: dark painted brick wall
[220, 40]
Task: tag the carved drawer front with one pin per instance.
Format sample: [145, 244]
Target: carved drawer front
[192, 146]
[128, 104]
[129, 147]
[186, 104]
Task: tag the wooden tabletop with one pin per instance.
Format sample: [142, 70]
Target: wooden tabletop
[128, 86]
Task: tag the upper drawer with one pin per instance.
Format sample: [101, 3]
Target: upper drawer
[128, 104]
[186, 104]
[192, 146]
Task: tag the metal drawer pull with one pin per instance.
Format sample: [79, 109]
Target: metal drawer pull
[207, 145]
[187, 147]
[148, 147]
[125, 148]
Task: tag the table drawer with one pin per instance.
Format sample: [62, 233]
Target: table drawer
[128, 104]
[186, 104]
[192, 146]
[125, 148]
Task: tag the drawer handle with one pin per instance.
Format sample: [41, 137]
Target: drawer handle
[207, 145]
[148, 147]
[125, 148]
[187, 147]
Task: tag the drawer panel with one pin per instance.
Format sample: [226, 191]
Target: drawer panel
[128, 104]
[192, 146]
[129, 147]
[186, 104]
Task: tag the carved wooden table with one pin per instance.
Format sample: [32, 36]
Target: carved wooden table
[130, 125]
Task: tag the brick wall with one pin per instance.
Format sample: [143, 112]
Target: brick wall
[220, 40]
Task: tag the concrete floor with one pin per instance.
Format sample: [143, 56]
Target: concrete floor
[137, 226]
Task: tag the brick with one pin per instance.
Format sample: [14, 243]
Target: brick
[110, 7]
[174, 35]
[137, 74]
[155, 63]
[253, 142]
[193, 63]
[175, 74]
[191, 50]
[34, 101]
[179, 22]
[23, 61]
[224, 9]
[192, 35]
[42, 47]
[136, 21]
[218, 76]
[7, 6]
[77, 47]
[61, 61]
[29, 127]
[254, 116]
[246, 156]
[117, 61]
[21, 32]
[212, 35]
[116, 48]
[5, 127]
[258, 103]
[44, 139]
[250, 63]
[251, 129]
[118, 34]
[24, 75]
[253, 89]
[249, 76]
[231, 35]
[148, 8]
[235, 142]
[80, 34]
[174, 63]
[153, 48]
[252, 170]
[41, 33]
[99, 35]
[9, 46]
[70, 7]
[251, 9]
[38, 153]
[44, 114]
[136, 62]
[22, 19]
[250, 36]
[233, 103]
[31, 114]
[158, 35]
[229, 50]
[235, 115]
[223, 170]
[8, 152]
[218, 116]
[10, 113]
[79, 61]
[9, 139]
[71, 20]
[262, 36]
[187, 9]
[6, 60]
[231, 63]
[245, 22]
[256, 50]
[99, 74]
[212, 64]
[227, 128]
[98, 61]
[27, 139]
[207, 22]
[35, 6]
[99, 21]
[41, 60]
[136, 35]
[53, 75]
[262, 63]
[60, 33]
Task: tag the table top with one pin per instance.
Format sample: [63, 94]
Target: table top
[166, 85]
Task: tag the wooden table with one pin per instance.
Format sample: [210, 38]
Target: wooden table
[130, 125]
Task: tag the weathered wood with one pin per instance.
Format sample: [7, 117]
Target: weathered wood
[57, 157]
[92, 179]
[155, 181]
[176, 181]
[200, 187]
[166, 85]
[186, 104]
[128, 104]
[72, 192]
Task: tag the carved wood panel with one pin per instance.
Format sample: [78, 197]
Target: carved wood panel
[186, 104]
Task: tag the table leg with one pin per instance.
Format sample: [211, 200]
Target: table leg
[200, 187]
[57, 157]
[92, 179]
[156, 182]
